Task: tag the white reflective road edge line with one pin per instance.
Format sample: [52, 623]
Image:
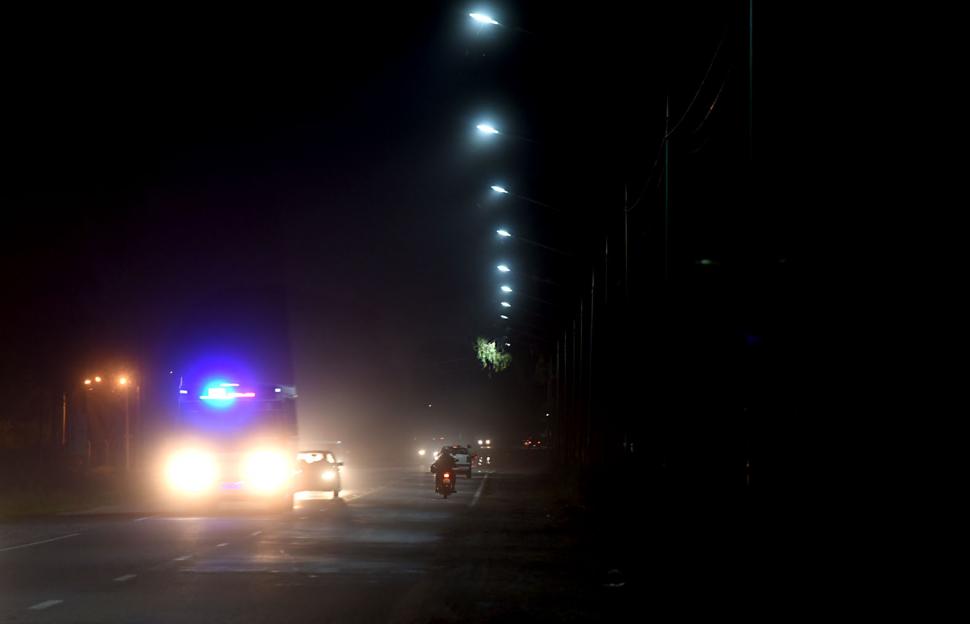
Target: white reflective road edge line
[125, 577]
[478, 494]
[47, 541]
[45, 604]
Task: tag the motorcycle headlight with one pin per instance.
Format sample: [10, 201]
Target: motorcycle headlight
[192, 471]
[266, 470]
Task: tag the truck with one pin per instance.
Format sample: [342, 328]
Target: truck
[232, 441]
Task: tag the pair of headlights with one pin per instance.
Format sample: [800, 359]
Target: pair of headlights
[196, 471]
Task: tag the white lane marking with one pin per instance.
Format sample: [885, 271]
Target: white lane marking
[142, 518]
[182, 558]
[44, 605]
[255, 533]
[47, 541]
[478, 494]
[351, 497]
[222, 544]
[125, 577]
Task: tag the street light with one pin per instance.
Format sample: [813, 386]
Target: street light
[504, 191]
[125, 382]
[481, 18]
[502, 316]
[98, 378]
[503, 268]
[485, 128]
[506, 289]
[506, 304]
[507, 234]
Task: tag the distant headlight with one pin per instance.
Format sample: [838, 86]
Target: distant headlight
[266, 470]
[192, 471]
[329, 475]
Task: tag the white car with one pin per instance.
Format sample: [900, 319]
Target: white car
[463, 459]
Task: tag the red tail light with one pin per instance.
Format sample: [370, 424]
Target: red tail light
[447, 475]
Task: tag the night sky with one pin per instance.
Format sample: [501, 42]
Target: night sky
[306, 190]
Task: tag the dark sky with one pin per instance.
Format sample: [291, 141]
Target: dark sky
[308, 187]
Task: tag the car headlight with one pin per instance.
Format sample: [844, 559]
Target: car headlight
[192, 471]
[266, 470]
[329, 475]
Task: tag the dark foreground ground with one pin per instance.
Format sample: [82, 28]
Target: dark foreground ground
[508, 546]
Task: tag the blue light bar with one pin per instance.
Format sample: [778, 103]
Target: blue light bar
[220, 394]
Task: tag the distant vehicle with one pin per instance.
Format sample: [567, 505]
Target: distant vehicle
[483, 457]
[463, 459]
[319, 472]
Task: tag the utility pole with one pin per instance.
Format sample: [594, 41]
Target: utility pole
[667, 192]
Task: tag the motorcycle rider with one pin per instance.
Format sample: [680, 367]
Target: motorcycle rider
[445, 463]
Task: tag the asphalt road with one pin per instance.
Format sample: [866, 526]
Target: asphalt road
[390, 550]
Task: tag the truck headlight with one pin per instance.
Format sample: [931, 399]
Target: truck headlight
[192, 471]
[266, 470]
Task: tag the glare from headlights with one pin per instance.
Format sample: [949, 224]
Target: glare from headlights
[192, 471]
[329, 475]
[266, 470]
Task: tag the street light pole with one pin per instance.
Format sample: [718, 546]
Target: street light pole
[64, 422]
[127, 433]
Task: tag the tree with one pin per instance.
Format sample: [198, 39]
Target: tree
[490, 357]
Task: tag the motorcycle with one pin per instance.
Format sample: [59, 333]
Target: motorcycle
[445, 485]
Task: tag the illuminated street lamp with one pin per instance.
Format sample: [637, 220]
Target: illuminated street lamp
[507, 234]
[125, 382]
[502, 316]
[501, 190]
[506, 304]
[506, 289]
[485, 128]
[503, 268]
[485, 20]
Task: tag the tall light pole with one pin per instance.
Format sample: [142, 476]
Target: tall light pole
[125, 382]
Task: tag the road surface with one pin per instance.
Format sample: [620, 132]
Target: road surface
[390, 551]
